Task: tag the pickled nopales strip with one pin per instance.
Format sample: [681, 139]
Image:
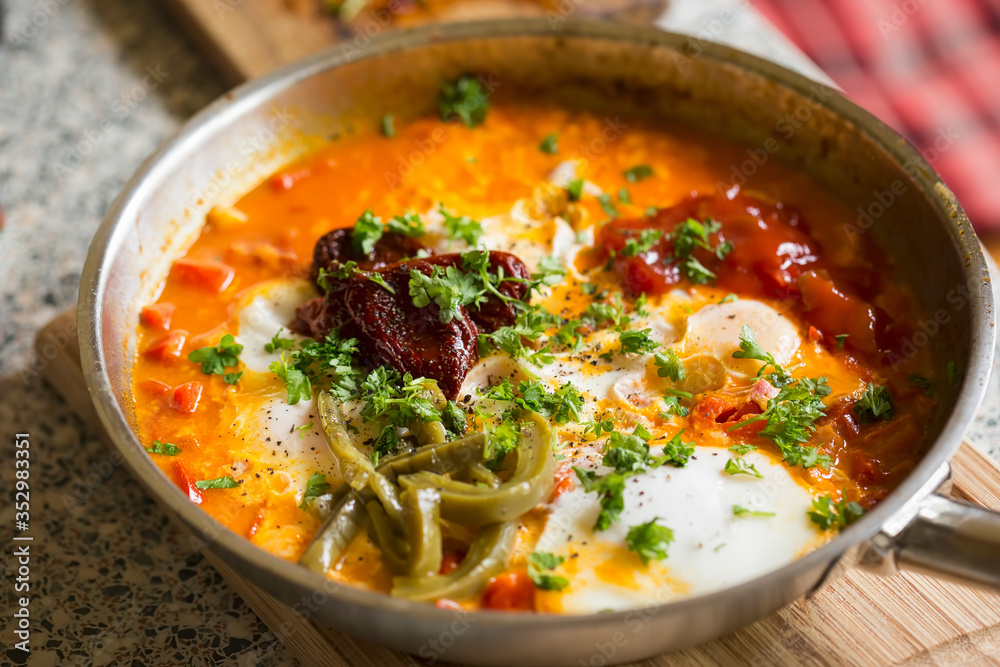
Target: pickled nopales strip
[333, 538]
[487, 556]
[478, 505]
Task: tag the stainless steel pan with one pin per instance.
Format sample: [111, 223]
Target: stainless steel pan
[246, 135]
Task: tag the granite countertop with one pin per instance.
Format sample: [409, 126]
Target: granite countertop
[112, 581]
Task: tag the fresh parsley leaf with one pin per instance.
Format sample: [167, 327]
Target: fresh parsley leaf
[606, 205]
[637, 341]
[828, 514]
[551, 271]
[650, 540]
[639, 305]
[500, 440]
[164, 448]
[923, 383]
[751, 349]
[379, 280]
[624, 197]
[875, 404]
[232, 378]
[599, 427]
[408, 224]
[599, 313]
[462, 227]
[504, 391]
[575, 189]
[739, 466]
[563, 405]
[297, 384]
[669, 365]
[538, 562]
[743, 448]
[226, 482]
[215, 359]
[638, 173]
[626, 453]
[729, 298]
[569, 335]
[675, 452]
[610, 488]
[841, 339]
[673, 407]
[531, 324]
[448, 287]
[689, 235]
[315, 487]
[367, 232]
[744, 512]
[388, 125]
[278, 343]
[549, 144]
[642, 432]
[465, 99]
[636, 246]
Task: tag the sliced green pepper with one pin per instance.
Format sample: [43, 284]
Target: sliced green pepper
[475, 505]
[343, 525]
[487, 556]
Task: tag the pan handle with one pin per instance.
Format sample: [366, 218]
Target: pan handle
[944, 537]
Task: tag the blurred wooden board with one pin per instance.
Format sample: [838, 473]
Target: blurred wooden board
[246, 39]
[857, 620]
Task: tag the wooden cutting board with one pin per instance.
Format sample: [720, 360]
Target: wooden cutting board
[859, 619]
[248, 39]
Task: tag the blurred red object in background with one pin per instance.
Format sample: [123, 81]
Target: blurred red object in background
[928, 68]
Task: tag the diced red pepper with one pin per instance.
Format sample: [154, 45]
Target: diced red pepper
[210, 275]
[450, 560]
[167, 347]
[187, 483]
[158, 315]
[286, 179]
[185, 397]
[510, 591]
[564, 477]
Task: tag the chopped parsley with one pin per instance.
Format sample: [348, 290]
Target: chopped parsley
[164, 448]
[531, 324]
[465, 99]
[673, 407]
[739, 466]
[624, 197]
[675, 452]
[669, 365]
[278, 343]
[635, 246]
[569, 335]
[388, 126]
[538, 563]
[610, 488]
[690, 235]
[394, 401]
[226, 482]
[650, 540]
[367, 231]
[551, 271]
[449, 287]
[550, 144]
[744, 512]
[922, 382]
[598, 427]
[828, 514]
[215, 359]
[599, 313]
[315, 487]
[729, 298]
[637, 341]
[875, 404]
[232, 378]
[606, 205]
[462, 227]
[742, 448]
[331, 359]
[841, 339]
[563, 405]
[638, 173]
[575, 189]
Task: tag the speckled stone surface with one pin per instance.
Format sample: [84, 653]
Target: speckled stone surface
[112, 582]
